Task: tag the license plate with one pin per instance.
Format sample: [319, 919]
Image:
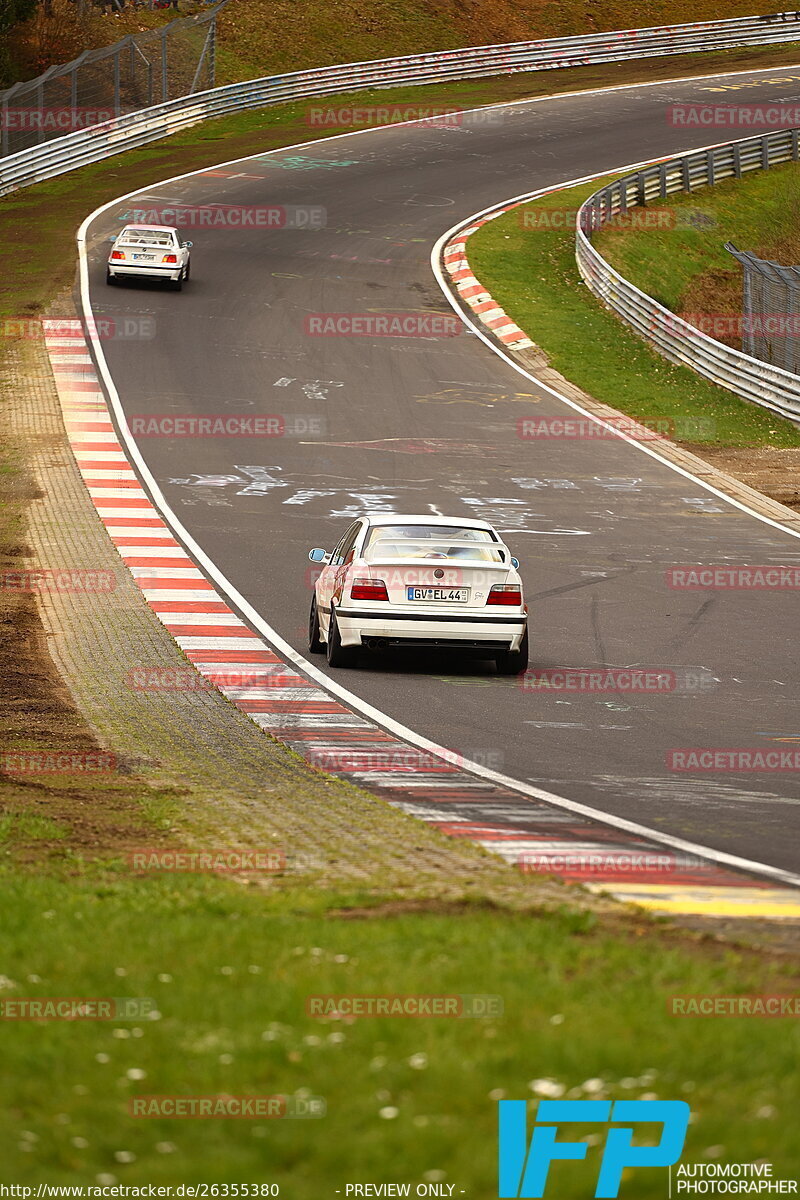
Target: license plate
[147, 257]
[439, 595]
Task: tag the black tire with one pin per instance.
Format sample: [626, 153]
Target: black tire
[187, 273]
[177, 284]
[110, 279]
[315, 642]
[339, 655]
[513, 662]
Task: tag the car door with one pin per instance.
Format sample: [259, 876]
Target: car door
[332, 578]
[344, 558]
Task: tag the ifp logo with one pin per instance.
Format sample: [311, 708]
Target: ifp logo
[523, 1170]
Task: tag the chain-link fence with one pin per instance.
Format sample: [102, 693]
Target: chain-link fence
[770, 310]
[140, 70]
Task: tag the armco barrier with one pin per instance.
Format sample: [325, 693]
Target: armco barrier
[147, 125]
[676, 339]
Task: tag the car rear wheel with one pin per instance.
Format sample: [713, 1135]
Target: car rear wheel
[513, 662]
[177, 284]
[315, 642]
[339, 655]
[110, 279]
[188, 271]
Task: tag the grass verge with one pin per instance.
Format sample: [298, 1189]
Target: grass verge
[532, 274]
[688, 268]
[229, 973]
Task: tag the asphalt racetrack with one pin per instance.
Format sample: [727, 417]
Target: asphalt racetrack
[421, 425]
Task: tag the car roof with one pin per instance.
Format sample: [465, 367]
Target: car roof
[425, 519]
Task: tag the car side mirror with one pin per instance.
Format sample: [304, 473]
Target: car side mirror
[187, 245]
[319, 555]
[515, 563]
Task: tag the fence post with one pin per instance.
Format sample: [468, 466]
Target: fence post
[764, 151]
[40, 106]
[685, 175]
[212, 52]
[748, 333]
[116, 84]
[164, 66]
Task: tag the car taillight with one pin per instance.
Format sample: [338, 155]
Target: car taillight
[368, 589]
[505, 593]
[117, 254]
[170, 258]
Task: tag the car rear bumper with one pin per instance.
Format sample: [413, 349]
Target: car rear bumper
[151, 270]
[449, 630]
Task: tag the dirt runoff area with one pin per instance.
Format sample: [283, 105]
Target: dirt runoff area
[773, 471]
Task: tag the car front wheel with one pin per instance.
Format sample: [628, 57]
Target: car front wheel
[339, 655]
[315, 642]
[513, 662]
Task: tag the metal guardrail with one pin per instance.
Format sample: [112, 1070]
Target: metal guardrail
[677, 339]
[147, 125]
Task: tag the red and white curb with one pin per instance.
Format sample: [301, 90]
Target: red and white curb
[222, 648]
[474, 294]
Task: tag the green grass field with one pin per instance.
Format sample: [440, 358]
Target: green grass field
[688, 269]
[532, 274]
[230, 970]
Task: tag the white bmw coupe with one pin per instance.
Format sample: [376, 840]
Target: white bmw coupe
[411, 582]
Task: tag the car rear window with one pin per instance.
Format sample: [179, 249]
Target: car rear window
[432, 541]
[144, 237]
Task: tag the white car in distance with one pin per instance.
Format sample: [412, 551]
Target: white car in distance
[149, 251]
[419, 582]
